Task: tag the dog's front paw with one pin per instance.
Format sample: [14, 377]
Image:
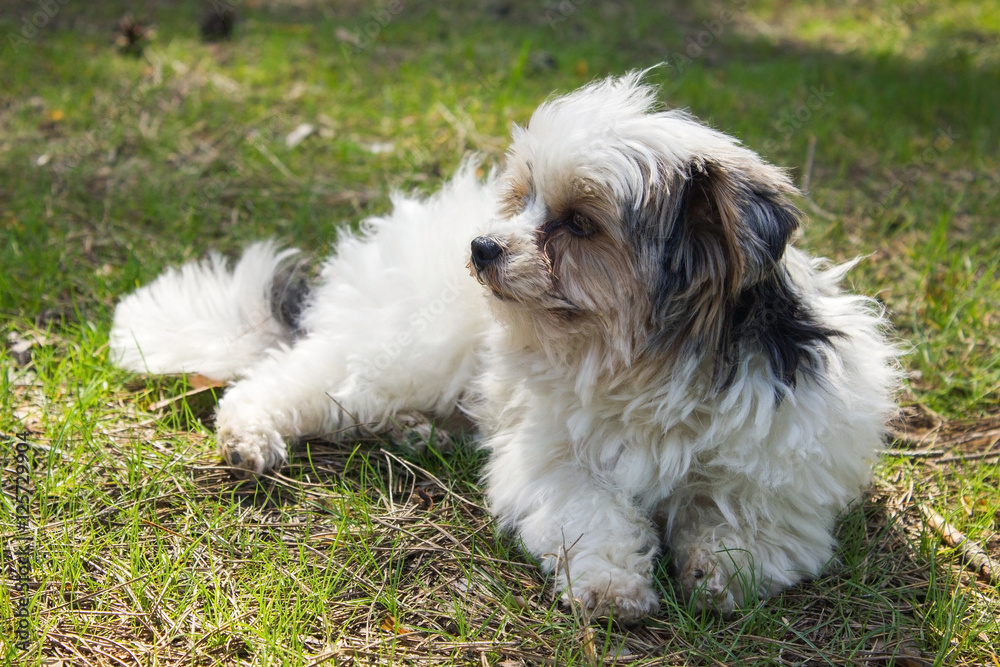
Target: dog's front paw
[624, 595]
[706, 582]
[251, 450]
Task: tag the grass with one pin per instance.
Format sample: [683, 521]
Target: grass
[113, 167]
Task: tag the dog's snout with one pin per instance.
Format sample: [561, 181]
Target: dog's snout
[485, 250]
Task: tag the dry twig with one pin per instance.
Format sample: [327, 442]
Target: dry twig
[973, 553]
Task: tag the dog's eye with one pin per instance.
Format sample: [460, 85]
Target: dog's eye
[580, 225]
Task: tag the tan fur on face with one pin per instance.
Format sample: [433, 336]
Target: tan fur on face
[523, 276]
[517, 189]
[560, 284]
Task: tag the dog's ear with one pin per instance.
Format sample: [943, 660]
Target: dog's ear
[734, 222]
[722, 289]
[723, 228]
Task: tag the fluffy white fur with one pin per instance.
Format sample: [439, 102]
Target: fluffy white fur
[621, 352]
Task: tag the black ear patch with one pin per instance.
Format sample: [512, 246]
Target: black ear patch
[721, 288]
[769, 221]
[771, 318]
[724, 230]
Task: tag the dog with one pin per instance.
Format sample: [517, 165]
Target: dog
[651, 364]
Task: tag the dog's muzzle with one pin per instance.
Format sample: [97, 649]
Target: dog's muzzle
[485, 251]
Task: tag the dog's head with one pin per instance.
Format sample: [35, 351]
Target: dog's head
[646, 232]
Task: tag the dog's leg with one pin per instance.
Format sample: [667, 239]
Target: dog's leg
[601, 547]
[720, 566]
[314, 389]
[712, 566]
[282, 397]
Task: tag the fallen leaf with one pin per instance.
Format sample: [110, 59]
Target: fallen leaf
[201, 382]
[345, 35]
[422, 498]
[390, 624]
[19, 345]
[379, 147]
[299, 134]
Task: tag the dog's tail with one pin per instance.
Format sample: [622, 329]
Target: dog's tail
[209, 319]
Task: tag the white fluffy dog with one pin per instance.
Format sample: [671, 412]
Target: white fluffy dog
[649, 363]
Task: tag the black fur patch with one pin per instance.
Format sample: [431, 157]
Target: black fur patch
[289, 292]
[772, 223]
[770, 317]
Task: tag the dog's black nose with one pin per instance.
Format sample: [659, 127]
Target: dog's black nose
[484, 251]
